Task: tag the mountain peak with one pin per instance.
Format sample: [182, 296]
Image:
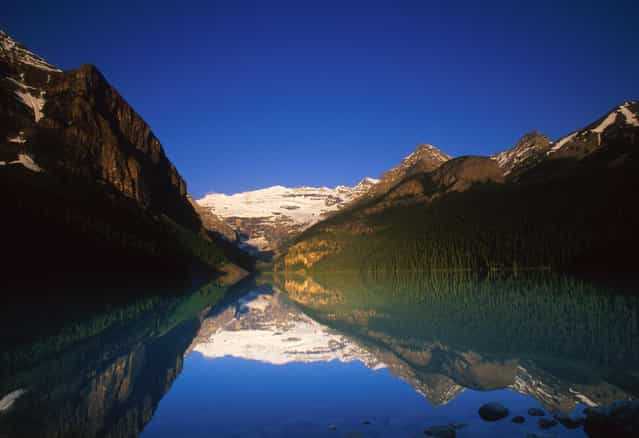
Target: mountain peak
[525, 153]
[20, 57]
[428, 150]
[367, 181]
[425, 158]
[264, 218]
[583, 142]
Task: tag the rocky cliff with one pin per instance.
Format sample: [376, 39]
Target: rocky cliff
[75, 122]
[81, 170]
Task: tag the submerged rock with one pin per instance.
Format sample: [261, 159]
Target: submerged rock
[619, 419]
[518, 419]
[536, 412]
[493, 411]
[547, 423]
[444, 431]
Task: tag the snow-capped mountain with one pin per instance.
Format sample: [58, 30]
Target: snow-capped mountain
[261, 326]
[264, 218]
[18, 54]
[580, 143]
[528, 151]
[534, 148]
[95, 176]
[23, 75]
[77, 122]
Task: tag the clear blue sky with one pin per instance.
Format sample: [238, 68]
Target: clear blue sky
[249, 94]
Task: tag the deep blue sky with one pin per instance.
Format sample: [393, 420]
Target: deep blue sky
[248, 94]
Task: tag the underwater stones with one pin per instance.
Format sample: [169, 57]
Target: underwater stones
[547, 423]
[536, 412]
[493, 411]
[443, 431]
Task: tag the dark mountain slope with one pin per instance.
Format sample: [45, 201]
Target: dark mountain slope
[88, 189]
[566, 213]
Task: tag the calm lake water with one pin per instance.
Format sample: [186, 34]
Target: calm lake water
[332, 356]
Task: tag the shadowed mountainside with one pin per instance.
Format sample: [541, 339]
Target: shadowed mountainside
[573, 210]
[87, 187]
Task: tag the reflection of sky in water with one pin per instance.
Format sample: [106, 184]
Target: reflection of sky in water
[244, 398]
[262, 368]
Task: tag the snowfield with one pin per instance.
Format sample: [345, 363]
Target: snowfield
[258, 213]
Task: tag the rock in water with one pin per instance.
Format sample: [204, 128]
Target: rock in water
[547, 423]
[445, 431]
[493, 411]
[536, 412]
[518, 419]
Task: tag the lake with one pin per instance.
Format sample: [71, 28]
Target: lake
[333, 355]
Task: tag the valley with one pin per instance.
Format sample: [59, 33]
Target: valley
[432, 293]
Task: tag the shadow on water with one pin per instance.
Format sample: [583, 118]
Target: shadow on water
[102, 375]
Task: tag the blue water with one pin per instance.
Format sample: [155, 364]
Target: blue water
[339, 356]
[233, 397]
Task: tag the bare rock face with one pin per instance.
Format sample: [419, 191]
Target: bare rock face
[214, 223]
[619, 125]
[456, 175]
[426, 158]
[526, 153]
[463, 172]
[75, 122]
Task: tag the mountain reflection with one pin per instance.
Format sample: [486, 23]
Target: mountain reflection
[559, 339]
[265, 327]
[102, 376]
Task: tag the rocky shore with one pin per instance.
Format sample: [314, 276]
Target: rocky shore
[619, 419]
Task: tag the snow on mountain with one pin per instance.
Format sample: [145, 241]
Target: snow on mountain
[534, 147]
[24, 75]
[523, 154]
[31, 97]
[266, 217]
[582, 142]
[262, 327]
[17, 53]
[25, 161]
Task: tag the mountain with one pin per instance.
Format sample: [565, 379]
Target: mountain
[526, 153]
[564, 205]
[425, 158]
[534, 147]
[82, 173]
[619, 124]
[265, 218]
